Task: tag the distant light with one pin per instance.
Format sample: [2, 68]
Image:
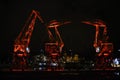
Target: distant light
[93, 64]
[117, 73]
[54, 64]
[97, 49]
[116, 61]
[34, 68]
[119, 50]
[28, 50]
[40, 68]
[40, 64]
[44, 63]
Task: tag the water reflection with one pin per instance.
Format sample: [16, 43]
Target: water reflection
[65, 75]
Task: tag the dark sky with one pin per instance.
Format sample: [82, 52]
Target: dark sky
[76, 35]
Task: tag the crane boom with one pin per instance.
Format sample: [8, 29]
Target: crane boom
[55, 24]
[99, 43]
[23, 39]
[21, 43]
[97, 24]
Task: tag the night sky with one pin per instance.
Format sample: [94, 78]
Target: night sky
[76, 35]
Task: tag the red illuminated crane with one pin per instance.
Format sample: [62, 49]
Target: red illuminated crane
[58, 40]
[54, 47]
[21, 44]
[101, 45]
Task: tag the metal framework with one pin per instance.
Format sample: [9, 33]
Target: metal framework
[102, 46]
[21, 44]
[54, 47]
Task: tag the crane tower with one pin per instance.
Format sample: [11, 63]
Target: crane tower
[55, 45]
[102, 46]
[21, 44]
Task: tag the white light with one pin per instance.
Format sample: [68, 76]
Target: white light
[40, 64]
[119, 50]
[54, 64]
[116, 61]
[97, 49]
[44, 63]
[34, 68]
[27, 49]
[44, 58]
[117, 73]
[40, 68]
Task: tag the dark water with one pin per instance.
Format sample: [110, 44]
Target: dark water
[65, 75]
